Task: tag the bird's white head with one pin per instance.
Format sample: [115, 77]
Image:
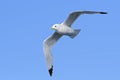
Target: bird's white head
[55, 27]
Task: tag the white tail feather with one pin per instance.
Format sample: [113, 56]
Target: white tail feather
[76, 32]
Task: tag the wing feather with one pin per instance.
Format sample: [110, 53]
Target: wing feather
[74, 15]
[47, 44]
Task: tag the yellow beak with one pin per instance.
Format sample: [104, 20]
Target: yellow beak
[51, 28]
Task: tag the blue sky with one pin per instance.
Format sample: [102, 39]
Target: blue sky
[93, 55]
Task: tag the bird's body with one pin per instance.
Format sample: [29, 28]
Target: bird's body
[60, 30]
[64, 29]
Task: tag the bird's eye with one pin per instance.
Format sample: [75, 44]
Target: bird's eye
[55, 26]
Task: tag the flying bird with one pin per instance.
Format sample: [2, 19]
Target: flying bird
[62, 29]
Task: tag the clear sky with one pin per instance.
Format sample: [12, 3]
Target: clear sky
[93, 55]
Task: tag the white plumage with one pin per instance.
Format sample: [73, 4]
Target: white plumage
[60, 30]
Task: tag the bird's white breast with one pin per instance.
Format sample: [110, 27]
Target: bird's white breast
[65, 30]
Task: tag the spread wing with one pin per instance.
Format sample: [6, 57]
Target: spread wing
[47, 44]
[74, 15]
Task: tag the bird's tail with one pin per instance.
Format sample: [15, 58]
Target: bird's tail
[76, 32]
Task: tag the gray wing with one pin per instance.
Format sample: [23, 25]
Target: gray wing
[74, 15]
[47, 44]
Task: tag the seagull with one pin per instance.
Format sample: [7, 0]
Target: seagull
[62, 29]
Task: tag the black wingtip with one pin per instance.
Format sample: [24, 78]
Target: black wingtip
[103, 12]
[50, 71]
